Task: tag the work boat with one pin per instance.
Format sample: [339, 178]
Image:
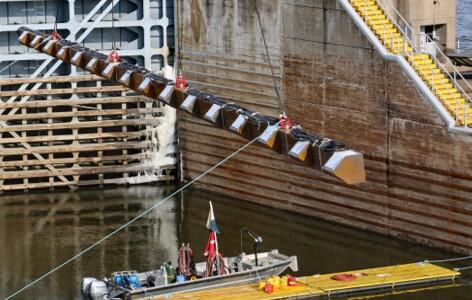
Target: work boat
[241, 270]
[217, 271]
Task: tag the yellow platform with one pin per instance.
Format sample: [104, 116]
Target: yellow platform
[322, 285]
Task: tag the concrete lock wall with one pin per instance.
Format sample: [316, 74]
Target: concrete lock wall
[333, 83]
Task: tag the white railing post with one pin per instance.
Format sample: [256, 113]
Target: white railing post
[465, 114]
[456, 107]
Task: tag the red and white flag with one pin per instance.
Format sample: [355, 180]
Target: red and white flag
[210, 248]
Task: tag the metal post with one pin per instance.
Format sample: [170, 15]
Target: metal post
[465, 113]
[255, 253]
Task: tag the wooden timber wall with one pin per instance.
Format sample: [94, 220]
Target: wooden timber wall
[419, 176]
[74, 131]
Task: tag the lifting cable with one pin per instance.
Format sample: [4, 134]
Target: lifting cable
[139, 216]
[276, 87]
[113, 43]
[57, 15]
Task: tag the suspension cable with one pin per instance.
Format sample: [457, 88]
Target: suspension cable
[139, 216]
[276, 87]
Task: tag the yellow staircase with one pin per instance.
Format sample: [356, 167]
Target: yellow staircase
[426, 68]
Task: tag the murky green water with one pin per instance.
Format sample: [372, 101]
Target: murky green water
[39, 231]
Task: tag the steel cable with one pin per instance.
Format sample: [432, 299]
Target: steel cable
[276, 87]
[9, 65]
[113, 45]
[448, 259]
[463, 268]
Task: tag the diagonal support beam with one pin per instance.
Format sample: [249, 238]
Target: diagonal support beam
[51, 168]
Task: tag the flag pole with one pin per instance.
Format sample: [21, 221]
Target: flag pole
[216, 243]
[216, 234]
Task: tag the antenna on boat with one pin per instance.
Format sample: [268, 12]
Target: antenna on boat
[257, 241]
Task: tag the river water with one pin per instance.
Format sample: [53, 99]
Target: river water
[464, 19]
[40, 231]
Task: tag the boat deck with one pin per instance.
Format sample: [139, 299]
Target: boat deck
[374, 279]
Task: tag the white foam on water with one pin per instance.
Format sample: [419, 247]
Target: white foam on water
[162, 149]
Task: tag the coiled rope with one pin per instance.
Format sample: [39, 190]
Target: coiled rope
[142, 214]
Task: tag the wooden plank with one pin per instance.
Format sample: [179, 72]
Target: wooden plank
[51, 79]
[128, 180]
[35, 185]
[78, 90]
[82, 113]
[76, 125]
[76, 171]
[77, 160]
[76, 148]
[82, 136]
[74, 102]
[45, 185]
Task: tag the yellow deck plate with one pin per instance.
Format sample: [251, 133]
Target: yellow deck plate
[318, 285]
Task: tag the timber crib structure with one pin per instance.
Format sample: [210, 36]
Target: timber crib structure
[76, 131]
[313, 150]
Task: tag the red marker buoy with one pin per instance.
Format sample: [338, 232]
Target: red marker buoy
[55, 36]
[113, 57]
[181, 82]
[284, 122]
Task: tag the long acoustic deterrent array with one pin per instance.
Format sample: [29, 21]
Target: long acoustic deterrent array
[315, 151]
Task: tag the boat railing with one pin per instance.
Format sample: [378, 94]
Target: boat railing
[417, 43]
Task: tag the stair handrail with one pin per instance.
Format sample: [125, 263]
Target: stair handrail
[452, 78]
[387, 7]
[385, 28]
[408, 33]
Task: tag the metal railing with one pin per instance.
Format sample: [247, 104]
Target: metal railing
[415, 41]
[386, 34]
